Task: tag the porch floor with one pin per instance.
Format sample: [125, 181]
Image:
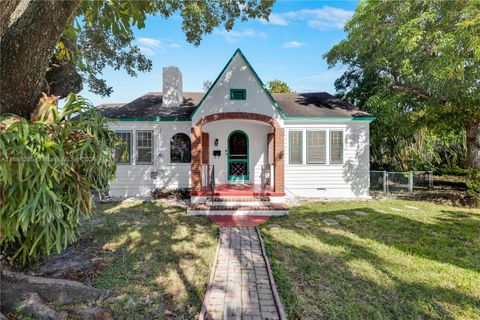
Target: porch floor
[237, 190]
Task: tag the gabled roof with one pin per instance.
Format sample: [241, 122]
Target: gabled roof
[291, 106]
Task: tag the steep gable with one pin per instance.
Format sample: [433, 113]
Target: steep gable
[237, 74]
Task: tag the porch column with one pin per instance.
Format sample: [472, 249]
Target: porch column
[279, 181]
[196, 163]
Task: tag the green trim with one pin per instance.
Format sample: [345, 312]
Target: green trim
[238, 51]
[156, 119]
[233, 95]
[330, 118]
[238, 178]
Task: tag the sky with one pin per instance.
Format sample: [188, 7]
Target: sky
[289, 47]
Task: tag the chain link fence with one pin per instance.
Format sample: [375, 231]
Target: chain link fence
[400, 183]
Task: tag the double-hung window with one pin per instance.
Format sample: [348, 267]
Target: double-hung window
[336, 146]
[123, 154]
[144, 147]
[316, 147]
[295, 146]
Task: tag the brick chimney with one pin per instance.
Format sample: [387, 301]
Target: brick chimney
[172, 87]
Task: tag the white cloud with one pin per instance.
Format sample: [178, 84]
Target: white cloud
[146, 51]
[293, 44]
[234, 36]
[322, 19]
[174, 45]
[276, 19]
[149, 42]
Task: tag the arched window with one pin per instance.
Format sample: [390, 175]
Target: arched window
[180, 148]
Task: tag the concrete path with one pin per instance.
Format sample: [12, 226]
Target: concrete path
[241, 285]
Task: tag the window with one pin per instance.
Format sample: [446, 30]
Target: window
[336, 147]
[144, 147]
[180, 148]
[238, 94]
[295, 146]
[316, 146]
[123, 154]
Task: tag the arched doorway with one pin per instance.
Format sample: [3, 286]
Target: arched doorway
[238, 160]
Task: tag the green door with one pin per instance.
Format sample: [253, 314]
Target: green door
[238, 156]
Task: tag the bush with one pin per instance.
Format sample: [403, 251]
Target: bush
[163, 193]
[48, 169]
[473, 181]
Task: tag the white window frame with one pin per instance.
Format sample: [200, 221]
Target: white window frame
[152, 147]
[330, 147]
[302, 148]
[130, 151]
[325, 145]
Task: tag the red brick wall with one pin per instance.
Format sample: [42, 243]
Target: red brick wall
[205, 148]
[196, 174]
[279, 182]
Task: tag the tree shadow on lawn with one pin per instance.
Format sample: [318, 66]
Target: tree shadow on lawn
[161, 261]
[453, 238]
[354, 282]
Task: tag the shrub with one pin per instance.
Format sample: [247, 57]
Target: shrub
[48, 168]
[163, 193]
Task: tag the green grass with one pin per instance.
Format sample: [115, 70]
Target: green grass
[409, 264]
[161, 259]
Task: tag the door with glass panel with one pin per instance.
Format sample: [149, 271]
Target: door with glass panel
[238, 160]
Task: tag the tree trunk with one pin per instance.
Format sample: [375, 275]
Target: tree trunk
[26, 49]
[473, 144]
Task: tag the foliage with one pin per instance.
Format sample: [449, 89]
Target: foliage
[278, 86]
[48, 168]
[101, 34]
[206, 85]
[163, 193]
[414, 65]
[473, 182]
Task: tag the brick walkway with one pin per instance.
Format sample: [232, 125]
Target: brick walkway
[241, 286]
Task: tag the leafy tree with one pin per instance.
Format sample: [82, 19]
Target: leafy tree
[48, 168]
[278, 86]
[52, 46]
[206, 85]
[419, 59]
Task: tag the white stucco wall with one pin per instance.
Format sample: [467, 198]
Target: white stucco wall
[135, 179]
[347, 180]
[257, 137]
[237, 75]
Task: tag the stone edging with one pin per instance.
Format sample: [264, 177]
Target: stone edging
[210, 281]
[276, 296]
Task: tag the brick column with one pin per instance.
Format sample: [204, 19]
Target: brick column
[196, 171]
[279, 182]
[205, 148]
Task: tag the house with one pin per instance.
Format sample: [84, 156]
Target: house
[237, 147]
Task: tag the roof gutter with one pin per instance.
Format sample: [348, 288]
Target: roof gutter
[287, 118]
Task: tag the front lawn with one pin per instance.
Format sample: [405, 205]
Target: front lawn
[158, 259]
[403, 260]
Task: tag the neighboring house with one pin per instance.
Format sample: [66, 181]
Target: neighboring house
[261, 148]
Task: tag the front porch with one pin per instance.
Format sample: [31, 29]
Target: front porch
[237, 190]
[233, 150]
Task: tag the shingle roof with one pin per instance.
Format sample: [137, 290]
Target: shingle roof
[149, 106]
[318, 104]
